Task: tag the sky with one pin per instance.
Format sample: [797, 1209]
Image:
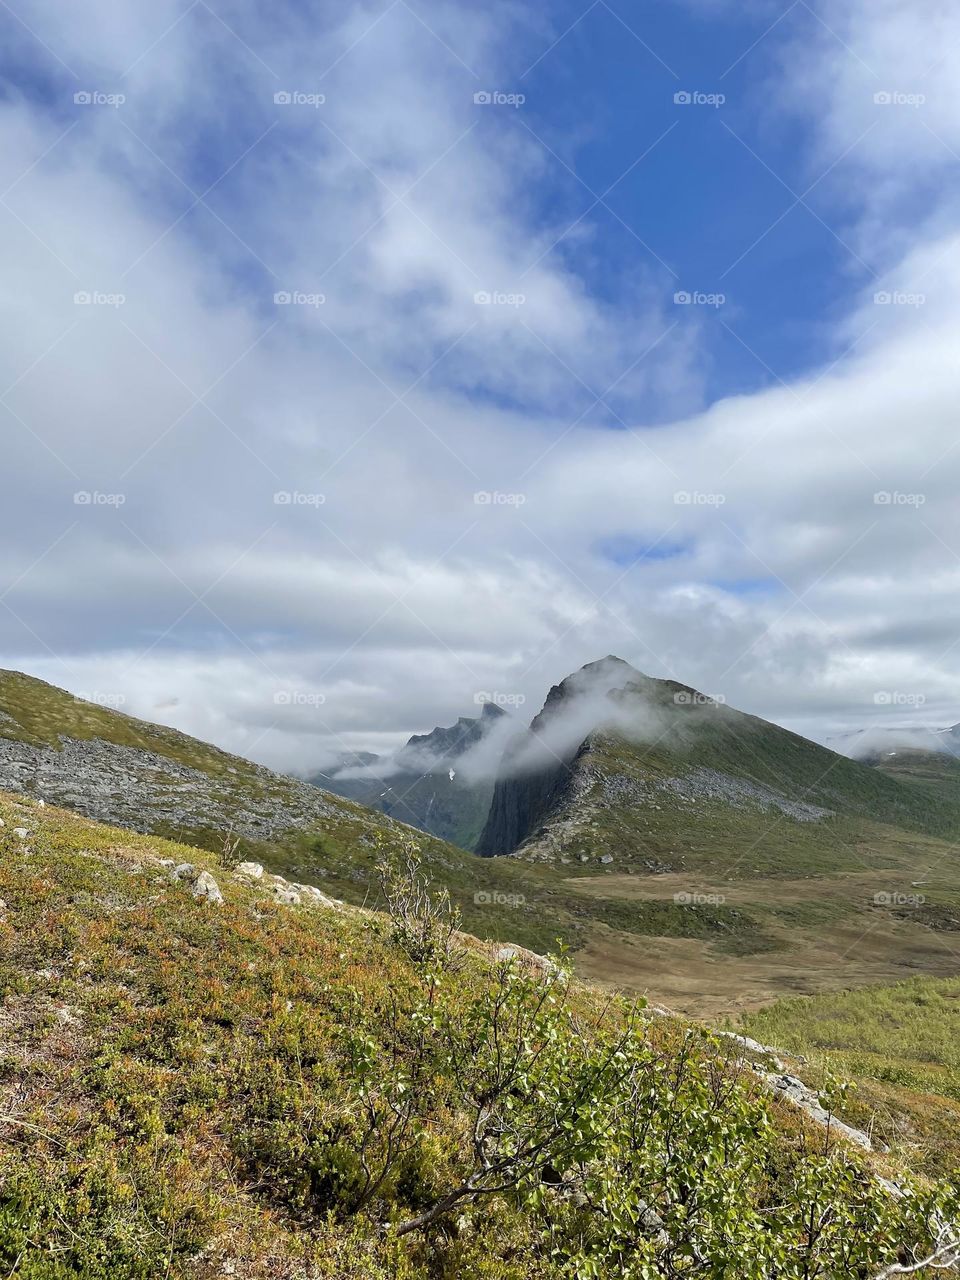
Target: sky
[361, 361]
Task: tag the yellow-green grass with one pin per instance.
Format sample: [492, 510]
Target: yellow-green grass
[899, 1044]
[174, 1076]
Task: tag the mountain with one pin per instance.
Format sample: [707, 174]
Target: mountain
[210, 1074]
[619, 767]
[683, 850]
[149, 778]
[424, 782]
[877, 743]
[918, 755]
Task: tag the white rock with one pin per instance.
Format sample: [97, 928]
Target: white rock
[792, 1089]
[311, 891]
[22, 832]
[207, 888]
[251, 869]
[41, 804]
[505, 954]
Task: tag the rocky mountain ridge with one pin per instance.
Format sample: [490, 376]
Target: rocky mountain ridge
[422, 783]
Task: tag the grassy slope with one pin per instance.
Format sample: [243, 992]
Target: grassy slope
[339, 853]
[900, 1045]
[938, 773]
[866, 804]
[173, 1076]
[707, 957]
[40, 713]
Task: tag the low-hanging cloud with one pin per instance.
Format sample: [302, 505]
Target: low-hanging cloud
[382, 595]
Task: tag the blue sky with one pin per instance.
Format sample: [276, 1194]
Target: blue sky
[601, 99]
[386, 393]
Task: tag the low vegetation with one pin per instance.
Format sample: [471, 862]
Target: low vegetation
[251, 1088]
[900, 1046]
[758, 901]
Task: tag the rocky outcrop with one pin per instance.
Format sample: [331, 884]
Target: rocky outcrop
[129, 787]
[251, 869]
[206, 887]
[790, 1088]
[539, 769]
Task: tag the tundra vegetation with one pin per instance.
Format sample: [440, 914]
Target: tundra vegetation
[199, 1088]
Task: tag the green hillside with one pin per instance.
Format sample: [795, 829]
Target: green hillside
[938, 772]
[204, 796]
[198, 1088]
[900, 1046]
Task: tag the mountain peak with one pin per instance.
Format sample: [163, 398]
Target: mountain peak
[449, 742]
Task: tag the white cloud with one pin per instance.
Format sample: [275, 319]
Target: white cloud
[389, 589]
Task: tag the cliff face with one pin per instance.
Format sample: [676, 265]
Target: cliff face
[520, 805]
[422, 784]
[539, 771]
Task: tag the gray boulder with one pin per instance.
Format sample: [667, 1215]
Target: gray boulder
[206, 887]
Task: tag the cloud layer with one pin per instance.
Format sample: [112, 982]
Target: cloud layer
[321, 524]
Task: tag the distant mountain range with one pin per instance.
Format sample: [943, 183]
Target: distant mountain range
[876, 743]
[438, 781]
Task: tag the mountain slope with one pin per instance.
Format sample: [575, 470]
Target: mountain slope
[423, 783]
[713, 907]
[149, 778]
[651, 773]
[197, 1089]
